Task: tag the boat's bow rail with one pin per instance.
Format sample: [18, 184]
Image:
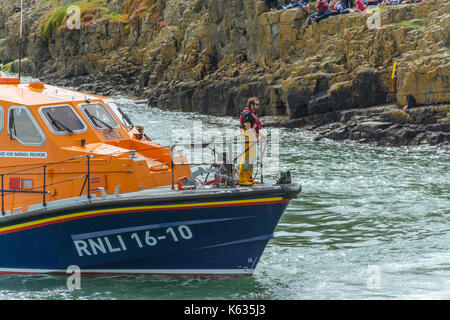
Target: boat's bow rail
[223, 169]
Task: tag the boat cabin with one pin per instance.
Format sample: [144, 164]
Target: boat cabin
[59, 144]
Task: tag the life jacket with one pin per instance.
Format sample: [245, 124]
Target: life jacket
[256, 124]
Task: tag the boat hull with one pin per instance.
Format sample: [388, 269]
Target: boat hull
[196, 234]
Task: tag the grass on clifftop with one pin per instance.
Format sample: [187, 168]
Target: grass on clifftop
[90, 10]
[53, 22]
[414, 24]
[95, 10]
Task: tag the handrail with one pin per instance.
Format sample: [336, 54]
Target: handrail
[116, 153]
[46, 164]
[229, 145]
[43, 188]
[88, 175]
[44, 173]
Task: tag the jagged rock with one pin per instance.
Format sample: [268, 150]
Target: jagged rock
[372, 126]
[397, 116]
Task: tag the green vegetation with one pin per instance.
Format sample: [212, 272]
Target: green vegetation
[112, 16]
[53, 22]
[443, 53]
[135, 10]
[413, 23]
[95, 10]
[7, 67]
[139, 8]
[90, 10]
[359, 26]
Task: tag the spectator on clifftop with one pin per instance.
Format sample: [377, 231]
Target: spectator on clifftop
[371, 3]
[348, 4]
[290, 5]
[336, 7]
[359, 6]
[321, 8]
[302, 4]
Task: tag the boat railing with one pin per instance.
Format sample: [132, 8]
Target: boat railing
[40, 189]
[226, 158]
[44, 188]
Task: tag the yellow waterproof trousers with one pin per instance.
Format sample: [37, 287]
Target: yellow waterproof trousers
[248, 159]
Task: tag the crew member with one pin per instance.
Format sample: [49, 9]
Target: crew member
[251, 127]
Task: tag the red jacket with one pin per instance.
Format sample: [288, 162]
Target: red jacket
[359, 5]
[322, 6]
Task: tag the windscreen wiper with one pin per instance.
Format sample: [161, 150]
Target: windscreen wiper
[12, 125]
[59, 124]
[125, 116]
[94, 119]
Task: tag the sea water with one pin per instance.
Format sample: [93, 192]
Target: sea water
[371, 222]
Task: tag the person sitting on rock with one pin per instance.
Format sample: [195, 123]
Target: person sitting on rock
[389, 2]
[340, 7]
[290, 5]
[336, 7]
[348, 4]
[273, 4]
[321, 8]
[371, 3]
[302, 4]
[332, 10]
[359, 6]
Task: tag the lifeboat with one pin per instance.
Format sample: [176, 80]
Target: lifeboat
[82, 185]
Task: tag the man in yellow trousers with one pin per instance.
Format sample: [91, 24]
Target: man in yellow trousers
[251, 127]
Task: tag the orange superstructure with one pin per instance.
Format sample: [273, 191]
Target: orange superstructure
[58, 144]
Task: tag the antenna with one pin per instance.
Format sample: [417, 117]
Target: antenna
[20, 38]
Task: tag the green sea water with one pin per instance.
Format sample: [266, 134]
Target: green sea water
[370, 223]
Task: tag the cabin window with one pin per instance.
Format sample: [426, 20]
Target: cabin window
[1, 119]
[123, 118]
[62, 119]
[23, 127]
[99, 116]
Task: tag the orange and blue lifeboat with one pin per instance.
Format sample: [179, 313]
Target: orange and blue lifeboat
[81, 185]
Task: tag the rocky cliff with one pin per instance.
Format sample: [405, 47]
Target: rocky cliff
[209, 56]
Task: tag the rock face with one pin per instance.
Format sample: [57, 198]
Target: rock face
[393, 127]
[382, 125]
[210, 56]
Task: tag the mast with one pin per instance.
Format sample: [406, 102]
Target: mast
[20, 38]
